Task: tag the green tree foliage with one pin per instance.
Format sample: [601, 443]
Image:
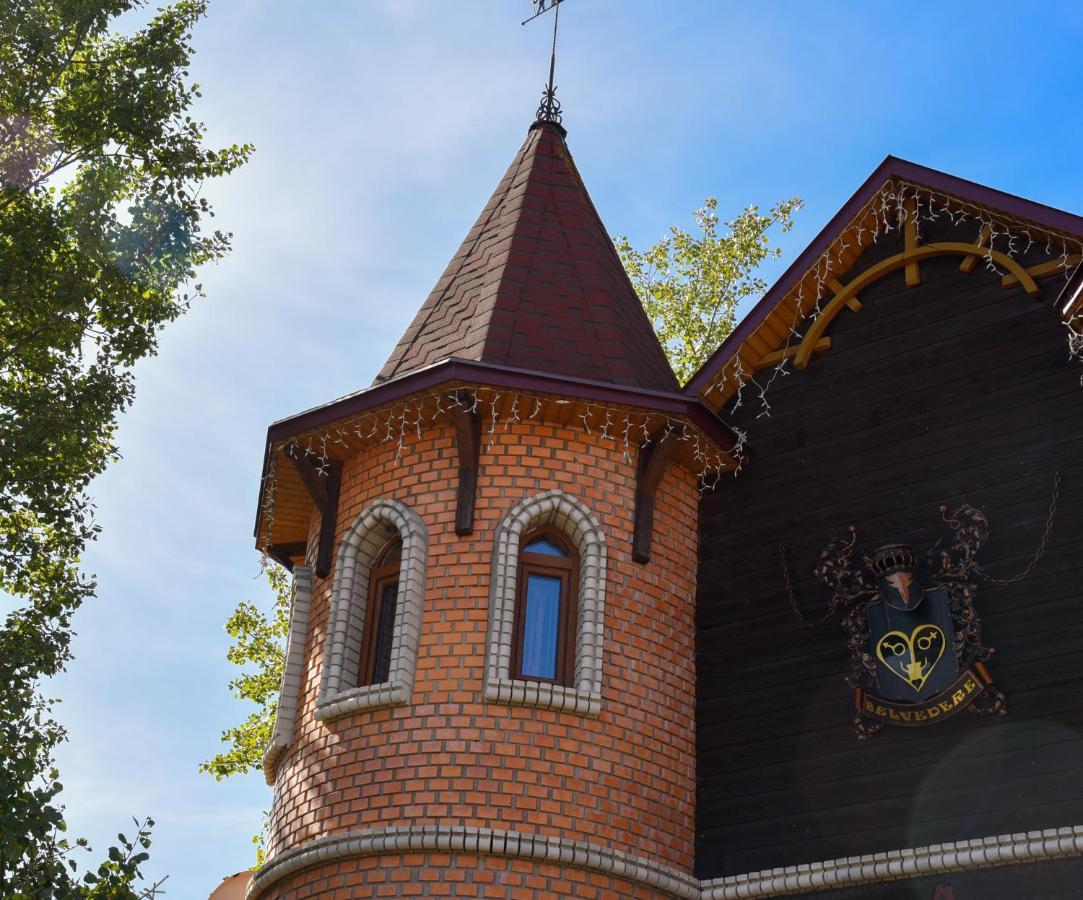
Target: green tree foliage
[101, 234]
[691, 285]
[259, 647]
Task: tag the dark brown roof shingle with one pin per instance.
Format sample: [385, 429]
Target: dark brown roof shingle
[537, 284]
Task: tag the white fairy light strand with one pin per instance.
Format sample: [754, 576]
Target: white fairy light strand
[399, 421]
[894, 205]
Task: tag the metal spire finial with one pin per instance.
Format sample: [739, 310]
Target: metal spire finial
[549, 108]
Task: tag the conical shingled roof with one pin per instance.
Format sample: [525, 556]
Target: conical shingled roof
[537, 284]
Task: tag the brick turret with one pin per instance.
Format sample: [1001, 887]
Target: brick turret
[489, 688]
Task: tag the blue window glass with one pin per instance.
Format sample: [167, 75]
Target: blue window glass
[547, 546]
[540, 626]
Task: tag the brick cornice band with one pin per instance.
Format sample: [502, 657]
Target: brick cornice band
[935, 859]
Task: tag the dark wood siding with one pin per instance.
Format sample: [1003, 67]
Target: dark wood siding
[954, 387]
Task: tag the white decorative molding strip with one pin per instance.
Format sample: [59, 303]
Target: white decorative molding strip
[286, 714]
[339, 693]
[474, 842]
[571, 516]
[936, 859]
[916, 862]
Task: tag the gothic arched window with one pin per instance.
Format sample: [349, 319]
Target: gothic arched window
[547, 606]
[370, 654]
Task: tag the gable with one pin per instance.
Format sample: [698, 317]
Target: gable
[922, 215]
[946, 384]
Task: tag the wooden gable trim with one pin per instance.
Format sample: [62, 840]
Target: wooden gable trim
[837, 248]
[907, 259]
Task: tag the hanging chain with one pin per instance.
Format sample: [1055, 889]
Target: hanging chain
[793, 598]
[1041, 545]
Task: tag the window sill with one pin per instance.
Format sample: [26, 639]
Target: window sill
[516, 692]
[370, 696]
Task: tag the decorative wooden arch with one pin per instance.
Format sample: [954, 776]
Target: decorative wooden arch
[846, 294]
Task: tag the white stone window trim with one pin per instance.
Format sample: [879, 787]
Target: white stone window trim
[572, 517]
[286, 713]
[339, 694]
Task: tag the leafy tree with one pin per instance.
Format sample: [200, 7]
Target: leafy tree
[101, 234]
[691, 286]
[259, 643]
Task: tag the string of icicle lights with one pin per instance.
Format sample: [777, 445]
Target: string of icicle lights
[890, 210]
[400, 421]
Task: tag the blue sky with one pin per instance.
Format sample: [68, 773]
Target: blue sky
[381, 127]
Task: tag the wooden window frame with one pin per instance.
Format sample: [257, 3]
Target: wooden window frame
[380, 576]
[566, 568]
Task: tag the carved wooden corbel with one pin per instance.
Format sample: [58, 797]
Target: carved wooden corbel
[323, 489]
[653, 460]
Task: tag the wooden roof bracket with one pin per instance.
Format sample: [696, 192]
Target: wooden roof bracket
[324, 490]
[971, 260]
[468, 446]
[653, 461]
[284, 553]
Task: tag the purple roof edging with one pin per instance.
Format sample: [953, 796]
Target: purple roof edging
[892, 166]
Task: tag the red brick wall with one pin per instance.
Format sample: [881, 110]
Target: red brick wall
[625, 780]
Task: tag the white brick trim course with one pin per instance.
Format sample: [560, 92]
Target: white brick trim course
[349, 597]
[571, 516]
[286, 714]
[474, 841]
[935, 859]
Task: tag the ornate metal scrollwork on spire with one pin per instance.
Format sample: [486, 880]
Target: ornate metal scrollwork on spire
[549, 108]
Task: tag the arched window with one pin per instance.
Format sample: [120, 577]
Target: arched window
[547, 606]
[380, 614]
[370, 654]
[545, 615]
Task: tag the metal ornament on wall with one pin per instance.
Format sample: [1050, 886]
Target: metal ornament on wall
[916, 650]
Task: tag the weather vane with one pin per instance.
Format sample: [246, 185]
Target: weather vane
[549, 108]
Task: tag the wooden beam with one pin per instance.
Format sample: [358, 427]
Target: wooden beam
[324, 492]
[653, 460]
[969, 262]
[284, 553]
[327, 520]
[910, 232]
[838, 287]
[891, 264]
[1051, 267]
[776, 356]
[310, 475]
[468, 445]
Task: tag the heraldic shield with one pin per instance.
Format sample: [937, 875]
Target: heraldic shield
[917, 655]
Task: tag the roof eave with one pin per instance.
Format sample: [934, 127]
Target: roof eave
[464, 371]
